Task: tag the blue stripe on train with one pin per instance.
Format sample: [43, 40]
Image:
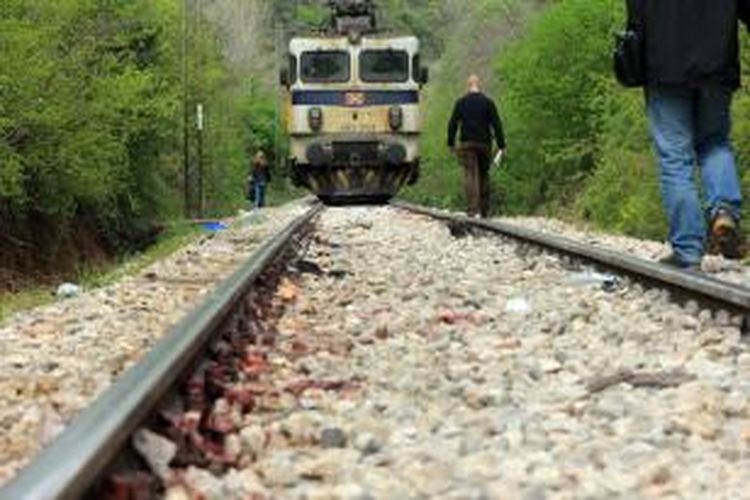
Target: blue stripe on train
[339, 97]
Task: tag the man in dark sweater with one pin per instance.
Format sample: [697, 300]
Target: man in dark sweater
[477, 116]
[692, 71]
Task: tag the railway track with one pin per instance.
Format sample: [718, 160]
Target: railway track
[685, 284]
[69, 467]
[321, 341]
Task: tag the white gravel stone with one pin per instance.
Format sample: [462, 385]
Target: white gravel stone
[157, 451]
[202, 484]
[367, 443]
[243, 485]
[254, 440]
[68, 291]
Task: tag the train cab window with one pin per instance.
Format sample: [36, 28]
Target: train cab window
[416, 65]
[292, 69]
[325, 67]
[381, 66]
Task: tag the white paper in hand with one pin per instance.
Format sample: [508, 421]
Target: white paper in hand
[498, 158]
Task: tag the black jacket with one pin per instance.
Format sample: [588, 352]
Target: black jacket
[478, 117]
[690, 43]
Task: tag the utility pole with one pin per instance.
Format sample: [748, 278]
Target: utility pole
[186, 111]
[199, 127]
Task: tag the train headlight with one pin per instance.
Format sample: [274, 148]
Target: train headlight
[396, 117]
[315, 119]
[317, 155]
[395, 154]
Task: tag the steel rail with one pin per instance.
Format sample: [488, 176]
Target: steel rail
[70, 465]
[734, 297]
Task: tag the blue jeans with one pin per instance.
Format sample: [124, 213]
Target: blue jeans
[260, 194]
[689, 128]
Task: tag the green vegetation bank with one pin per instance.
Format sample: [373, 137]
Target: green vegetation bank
[92, 122]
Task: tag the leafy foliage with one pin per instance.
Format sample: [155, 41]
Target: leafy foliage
[471, 43]
[91, 121]
[579, 142]
[548, 93]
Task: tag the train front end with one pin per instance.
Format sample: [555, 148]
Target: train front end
[354, 115]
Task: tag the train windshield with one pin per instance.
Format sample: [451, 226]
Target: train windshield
[380, 66]
[325, 67]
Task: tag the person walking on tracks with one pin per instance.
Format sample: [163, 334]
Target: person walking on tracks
[260, 176]
[477, 116]
[691, 56]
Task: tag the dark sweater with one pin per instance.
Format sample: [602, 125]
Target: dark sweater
[690, 43]
[260, 172]
[477, 116]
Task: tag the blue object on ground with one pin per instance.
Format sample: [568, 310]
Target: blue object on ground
[213, 226]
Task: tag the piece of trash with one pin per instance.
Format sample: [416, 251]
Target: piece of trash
[606, 282]
[460, 229]
[214, 226]
[338, 274]
[308, 267]
[453, 317]
[518, 305]
[68, 291]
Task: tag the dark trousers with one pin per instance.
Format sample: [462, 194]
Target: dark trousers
[475, 158]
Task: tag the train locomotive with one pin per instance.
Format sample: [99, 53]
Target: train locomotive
[352, 97]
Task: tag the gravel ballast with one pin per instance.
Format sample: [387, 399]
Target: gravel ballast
[410, 363]
[56, 359]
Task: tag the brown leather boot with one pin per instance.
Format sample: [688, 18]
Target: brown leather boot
[725, 237]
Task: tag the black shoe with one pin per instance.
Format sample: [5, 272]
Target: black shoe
[725, 237]
[672, 260]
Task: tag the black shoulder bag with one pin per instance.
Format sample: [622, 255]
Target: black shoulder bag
[630, 51]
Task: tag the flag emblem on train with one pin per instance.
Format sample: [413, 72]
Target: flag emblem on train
[355, 99]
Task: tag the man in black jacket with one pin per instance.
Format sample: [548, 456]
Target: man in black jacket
[478, 118]
[692, 71]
